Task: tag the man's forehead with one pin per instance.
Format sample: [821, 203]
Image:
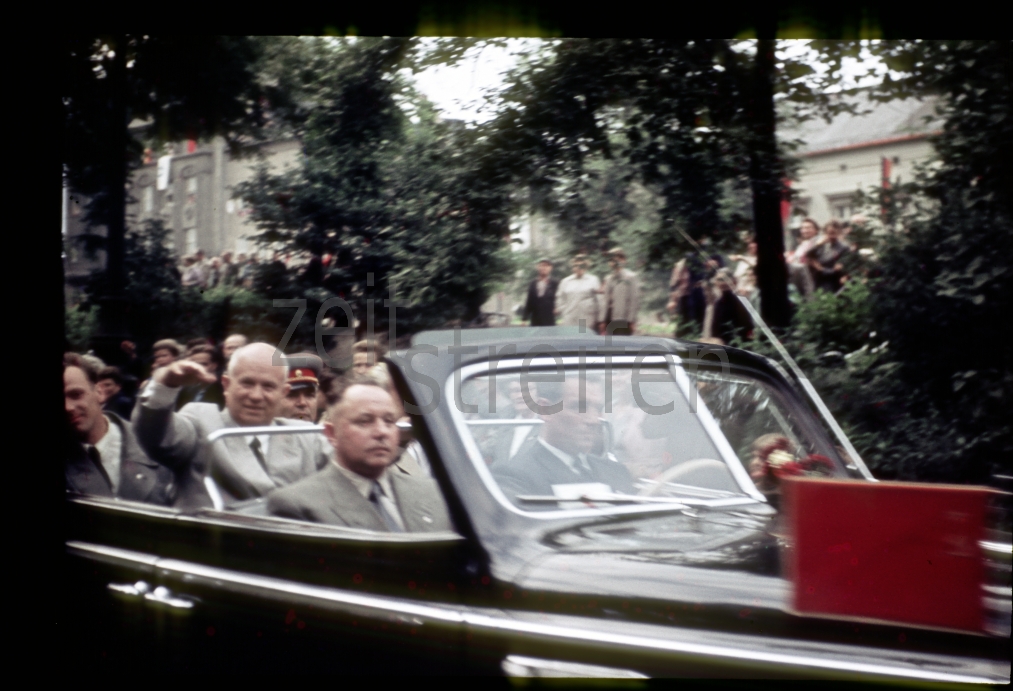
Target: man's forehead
[359, 395]
[75, 376]
[258, 367]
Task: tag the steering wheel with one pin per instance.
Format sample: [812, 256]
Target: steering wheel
[678, 471]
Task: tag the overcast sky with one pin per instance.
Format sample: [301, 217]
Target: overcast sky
[460, 92]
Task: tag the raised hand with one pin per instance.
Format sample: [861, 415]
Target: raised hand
[183, 373]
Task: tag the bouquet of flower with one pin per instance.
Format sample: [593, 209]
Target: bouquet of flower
[774, 459]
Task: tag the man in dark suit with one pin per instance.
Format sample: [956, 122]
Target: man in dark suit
[241, 468]
[562, 453]
[110, 385]
[361, 488]
[103, 457]
[540, 309]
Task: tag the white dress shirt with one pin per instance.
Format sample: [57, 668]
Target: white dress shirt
[573, 463]
[110, 449]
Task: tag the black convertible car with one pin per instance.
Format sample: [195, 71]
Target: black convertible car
[678, 572]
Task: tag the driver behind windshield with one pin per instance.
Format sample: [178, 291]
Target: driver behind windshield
[562, 455]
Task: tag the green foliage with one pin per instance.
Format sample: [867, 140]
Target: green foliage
[409, 199]
[925, 388]
[79, 325]
[159, 307]
[839, 321]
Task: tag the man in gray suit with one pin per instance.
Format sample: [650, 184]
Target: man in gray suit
[242, 468]
[361, 488]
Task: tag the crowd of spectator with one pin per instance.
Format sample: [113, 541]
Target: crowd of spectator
[581, 299]
[704, 284]
[199, 271]
[140, 431]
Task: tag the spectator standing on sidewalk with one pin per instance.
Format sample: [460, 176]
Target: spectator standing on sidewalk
[745, 270]
[799, 273]
[729, 319]
[192, 276]
[621, 297]
[577, 296]
[541, 304]
[229, 270]
[214, 274]
[688, 285]
[825, 259]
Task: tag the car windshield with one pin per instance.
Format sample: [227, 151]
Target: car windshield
[649, 433]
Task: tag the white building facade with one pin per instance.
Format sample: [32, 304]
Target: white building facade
[857, 152]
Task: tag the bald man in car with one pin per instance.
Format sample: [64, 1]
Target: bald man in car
[242, 468]
[362, 487]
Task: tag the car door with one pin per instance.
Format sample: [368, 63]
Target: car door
[228, 592]
[678, 578]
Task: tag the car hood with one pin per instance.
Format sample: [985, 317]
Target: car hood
[720, 558]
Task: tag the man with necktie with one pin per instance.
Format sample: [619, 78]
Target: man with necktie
[562, 454]
[241, 468]
[363, 487]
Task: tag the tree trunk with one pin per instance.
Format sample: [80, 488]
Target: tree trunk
[112, 327]
[765, 179]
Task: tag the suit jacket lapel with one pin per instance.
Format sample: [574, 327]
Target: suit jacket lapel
[284, 460]
[138, 473]
[237, 468]
[83, 477]
[412, 512]
[345, 502]
[558, 472]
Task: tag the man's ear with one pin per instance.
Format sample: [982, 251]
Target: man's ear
[225, 382]
[329, 432]
[285, 389]
[102, 395]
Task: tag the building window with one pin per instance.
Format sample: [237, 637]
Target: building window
[842, 206]
[191, 240]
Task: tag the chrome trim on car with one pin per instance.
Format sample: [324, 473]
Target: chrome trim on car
[521, 666]
[396, 609]
[713, 430]
[257, 431]
[999, 548]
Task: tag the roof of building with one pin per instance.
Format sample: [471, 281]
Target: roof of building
[908, 118]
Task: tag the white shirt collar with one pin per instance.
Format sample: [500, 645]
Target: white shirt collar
[110, 448]
[570, 461]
